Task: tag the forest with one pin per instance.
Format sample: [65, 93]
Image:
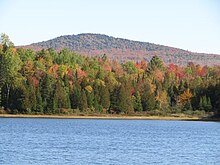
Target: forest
[65, 82]
[122, 50]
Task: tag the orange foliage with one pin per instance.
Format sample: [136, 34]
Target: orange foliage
[107, 67]
[81, 73]
[158, 75]
[53, 70]
[186, 96]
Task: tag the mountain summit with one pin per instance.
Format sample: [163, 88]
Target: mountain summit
[123, 49]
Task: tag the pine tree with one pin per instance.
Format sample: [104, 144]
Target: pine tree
[124, 100]
[90, 99]
[201, 105]
[97, 107]
[47, 94]
[26, 99]
[137, 102]
[209, 104]
[204, 102]
[83, 102]
[104, 97]
[56, 108]
[148, 99]
[39, 105]
[61, 96]
[187, 106]
[114, 100]
[155, 62]
[32, 98]
[75, 96]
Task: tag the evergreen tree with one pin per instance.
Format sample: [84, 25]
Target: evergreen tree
[155, 62]
[205, 103]
[204, 98]
[56, 108]
[47, 94]
[124, 100]
[90, 99]
[32, 98]
[75, 96]
[209, 104]
[61, 98]
[201, 105]
[39, 105]
[187, 106]
[148, 99]
[97, 107]
[137, 102]
[104, 97]
[25, 100]
[114, 106]
[83, 102]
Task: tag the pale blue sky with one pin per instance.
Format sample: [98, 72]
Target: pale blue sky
[188, 24]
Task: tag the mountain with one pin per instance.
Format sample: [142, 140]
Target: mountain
[123, 49]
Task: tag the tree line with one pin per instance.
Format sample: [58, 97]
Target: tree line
[51, 82]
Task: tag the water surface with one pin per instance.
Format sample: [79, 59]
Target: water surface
[85, 141]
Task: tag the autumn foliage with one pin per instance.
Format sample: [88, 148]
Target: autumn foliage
[51, 82]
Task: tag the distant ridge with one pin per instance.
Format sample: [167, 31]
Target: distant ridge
[123, 49]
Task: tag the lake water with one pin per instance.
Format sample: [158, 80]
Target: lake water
[84, 141]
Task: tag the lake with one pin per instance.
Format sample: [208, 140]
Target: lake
[85, 141]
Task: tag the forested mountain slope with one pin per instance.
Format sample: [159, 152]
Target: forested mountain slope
[123, 49]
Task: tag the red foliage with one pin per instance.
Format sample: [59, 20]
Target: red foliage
[107, 67]
[81, 74]
[137, 65]
[172, 68]
[132, 91]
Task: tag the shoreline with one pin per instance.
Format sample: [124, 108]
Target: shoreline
[109, 117]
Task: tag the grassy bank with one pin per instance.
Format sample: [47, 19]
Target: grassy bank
[117, 117]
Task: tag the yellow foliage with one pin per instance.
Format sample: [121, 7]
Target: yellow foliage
[186, 96]
[100, 82]
[88, 88]
[62, 70]
[152, 87]
[162, 98]
[14, 50]
[77, 67]
[140, 71]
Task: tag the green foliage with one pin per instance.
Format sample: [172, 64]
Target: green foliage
[104, 97]
[39, 105]
[50, 82]
[75, 96]
[148, 99]
[47, 94]
[90, 99]
[137, 102]
[124, 100]
[61, 97]
[187, 106]
[10, 76]
[4, 40]
[205, 103]
[83, 102]
[155, 62]
[130, 68]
